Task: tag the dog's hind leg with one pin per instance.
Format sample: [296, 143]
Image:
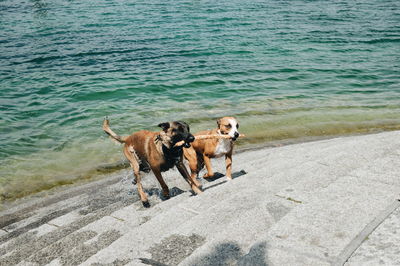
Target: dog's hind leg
[192, 157]
[136, 170]
[160, 179]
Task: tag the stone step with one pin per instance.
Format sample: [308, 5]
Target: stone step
[78, 246]
[210, 212]
[98, 232]
[50, 222]
[54, 215]
[33, 245]
[217, 198]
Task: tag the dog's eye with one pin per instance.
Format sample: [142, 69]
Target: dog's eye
[237, 126]
[228, 126]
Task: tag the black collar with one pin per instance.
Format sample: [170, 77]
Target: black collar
[172, 155]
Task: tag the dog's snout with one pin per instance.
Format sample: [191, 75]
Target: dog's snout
[190, 138]
[236, 134]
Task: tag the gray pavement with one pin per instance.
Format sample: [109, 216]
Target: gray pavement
[317, 203]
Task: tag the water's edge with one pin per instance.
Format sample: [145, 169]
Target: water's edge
[105, 171]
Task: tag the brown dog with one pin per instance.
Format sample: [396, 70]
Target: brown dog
[204, 149]
[147, 150]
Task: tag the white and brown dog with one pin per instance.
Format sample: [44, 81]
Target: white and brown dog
[202, 150]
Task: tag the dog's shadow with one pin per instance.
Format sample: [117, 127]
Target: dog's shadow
[218, 175]
[173, 192]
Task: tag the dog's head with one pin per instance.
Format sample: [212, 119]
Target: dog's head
[229, 126]
[177, 131]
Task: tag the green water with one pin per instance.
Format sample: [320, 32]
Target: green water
[285, 69]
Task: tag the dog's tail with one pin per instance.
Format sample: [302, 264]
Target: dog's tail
[112, 134]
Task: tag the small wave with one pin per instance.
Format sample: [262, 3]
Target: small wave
[381, 40]
[43, 59]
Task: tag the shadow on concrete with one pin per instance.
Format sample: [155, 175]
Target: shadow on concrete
[173, 192]
[238, 174]
[218, 175]
[227, 253]
[151, 262]
[256, 256]
[215, 185]
[232, 253]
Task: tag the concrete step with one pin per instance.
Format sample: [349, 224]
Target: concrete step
[79, 231]
[162, 218]
[79, 245]
[208, 208]
[50, 222]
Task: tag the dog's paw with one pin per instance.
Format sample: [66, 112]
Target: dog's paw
[196, 183]
[206, 175]
[166, 197]
[146, 204]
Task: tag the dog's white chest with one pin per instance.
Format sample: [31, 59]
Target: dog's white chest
[223, 147]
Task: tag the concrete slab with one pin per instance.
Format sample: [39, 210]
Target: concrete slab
[44, 229]
[106, 223]
[33, 215]
[65, 219]
[3, 232]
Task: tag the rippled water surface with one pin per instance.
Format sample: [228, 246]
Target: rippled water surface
[285, 69]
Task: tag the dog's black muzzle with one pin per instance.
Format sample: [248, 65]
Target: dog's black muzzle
[188, 140]
[236, 135]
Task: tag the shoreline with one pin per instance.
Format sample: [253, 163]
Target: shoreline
[104, 171]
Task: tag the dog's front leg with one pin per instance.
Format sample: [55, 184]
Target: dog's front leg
[182, 169]
[207, 162]
[228, 163]
[160, 179]
[135, 165]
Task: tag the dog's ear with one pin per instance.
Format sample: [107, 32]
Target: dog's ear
[218, 122]
[164, 126]
[184, 124]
